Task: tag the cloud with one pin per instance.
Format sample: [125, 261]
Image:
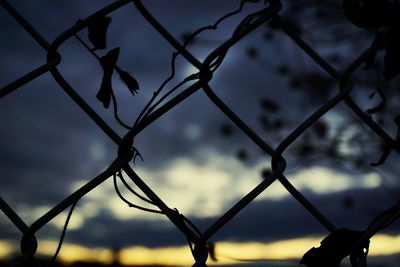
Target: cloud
[263, 220]
[49, 147]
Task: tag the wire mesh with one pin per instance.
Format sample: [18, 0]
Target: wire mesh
[162, 102]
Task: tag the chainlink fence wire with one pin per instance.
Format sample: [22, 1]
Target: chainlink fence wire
[163, 101]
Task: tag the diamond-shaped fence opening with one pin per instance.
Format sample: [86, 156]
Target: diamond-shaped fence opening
[339, 244]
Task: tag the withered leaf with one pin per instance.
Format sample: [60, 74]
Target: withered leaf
[108, 63]
[128, 80]
[97, 31]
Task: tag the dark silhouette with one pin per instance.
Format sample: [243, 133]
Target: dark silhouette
[335, 247]
[313, 131]
[97, 31]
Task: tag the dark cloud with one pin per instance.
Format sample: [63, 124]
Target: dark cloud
[262, 221]
[47, 143]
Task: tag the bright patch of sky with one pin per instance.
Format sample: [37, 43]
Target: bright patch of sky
[209, 187]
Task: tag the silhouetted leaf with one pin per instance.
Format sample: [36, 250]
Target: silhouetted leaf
[108, 63]
[364, 14]
[129, 81]
[392, 53]
[97, 31]
[269, 105]
[334, 248]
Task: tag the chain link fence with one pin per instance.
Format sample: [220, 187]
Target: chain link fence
[341, 243]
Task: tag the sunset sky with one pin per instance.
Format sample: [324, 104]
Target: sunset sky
[49, 148]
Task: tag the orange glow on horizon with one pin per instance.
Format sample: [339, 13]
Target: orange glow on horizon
[226, 252]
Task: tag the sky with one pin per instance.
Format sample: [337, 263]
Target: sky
[49, 147]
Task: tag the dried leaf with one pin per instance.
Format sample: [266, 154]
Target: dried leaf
[108, 63]
[129, 81]
[97, 31]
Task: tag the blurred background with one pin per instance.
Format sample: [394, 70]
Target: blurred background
[194, 158]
